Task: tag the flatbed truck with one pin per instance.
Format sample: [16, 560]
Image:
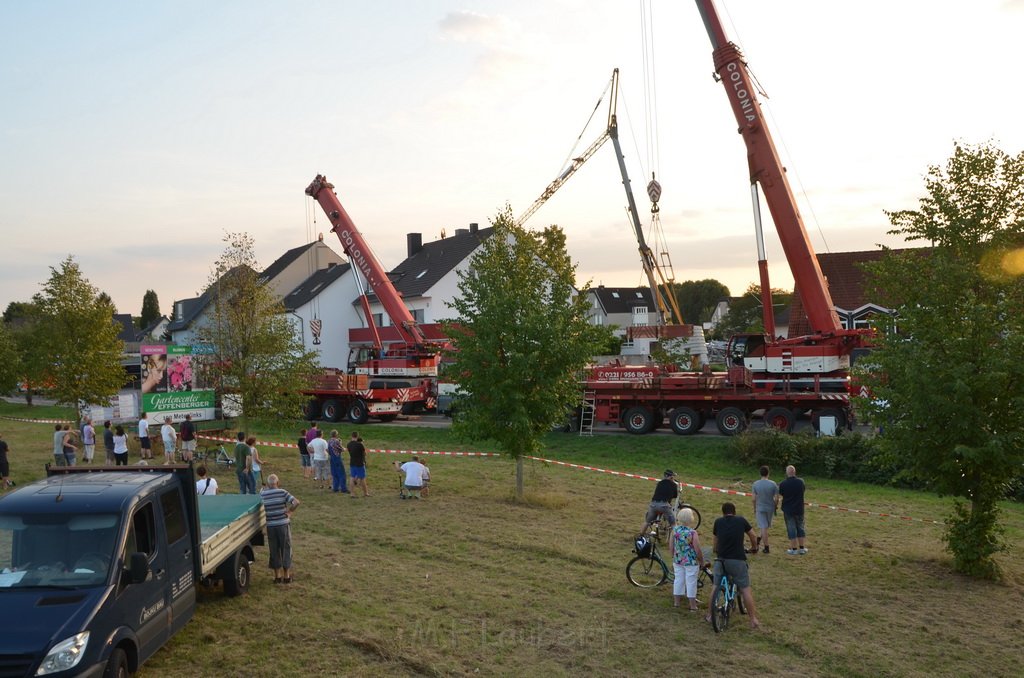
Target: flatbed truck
[99, 566]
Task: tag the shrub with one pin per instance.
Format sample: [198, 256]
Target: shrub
[848, 457]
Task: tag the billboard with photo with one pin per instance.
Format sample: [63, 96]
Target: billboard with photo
[171, 383]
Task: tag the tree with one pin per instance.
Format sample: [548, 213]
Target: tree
[150, 309]
[947, 377]
[520, 338]
[257, 355]
[745, 315]
[10, 360]
[697, 299]
[75, 339]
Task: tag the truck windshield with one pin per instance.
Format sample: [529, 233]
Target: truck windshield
[59, 550]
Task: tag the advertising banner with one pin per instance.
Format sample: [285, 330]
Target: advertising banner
[171, 383]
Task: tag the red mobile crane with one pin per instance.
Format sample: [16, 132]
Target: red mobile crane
[827, 350]
[783, 377]
[400, 376]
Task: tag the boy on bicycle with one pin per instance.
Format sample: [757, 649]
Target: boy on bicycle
[665, 492]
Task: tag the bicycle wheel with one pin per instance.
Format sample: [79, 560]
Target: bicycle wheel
[704, 577]
[739, 602]
[720, 610]
[646, 572]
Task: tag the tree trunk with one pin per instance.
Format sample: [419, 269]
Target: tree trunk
[519, 477]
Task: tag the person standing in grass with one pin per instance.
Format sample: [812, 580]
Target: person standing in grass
[243, 466]
[88, 441]
[318, 451]
[257, 463]
[792, 491]
[68, 446]
[279, 505]
[731, 559]
[146, 448]
[338, 480]
[5, 466]
[188, 438]
[766, 504]
[687, 558]
[357, 464]
[206, 485]
[304, 461]
[170, 438]
[58, 446]
[120, 446]
[108, 442]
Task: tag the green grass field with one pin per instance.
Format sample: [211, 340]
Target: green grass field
[468, 582]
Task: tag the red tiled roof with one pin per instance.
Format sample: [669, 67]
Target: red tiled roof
[845, 277]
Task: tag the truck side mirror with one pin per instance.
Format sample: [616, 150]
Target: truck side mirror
[138, 568]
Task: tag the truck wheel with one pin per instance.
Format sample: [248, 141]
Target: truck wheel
[638, 420]
[235, 573]
[358, 412]
[684, 420]
[311, 410]
[117, 665]
[731, 421]
[332, 410]
[780, 419]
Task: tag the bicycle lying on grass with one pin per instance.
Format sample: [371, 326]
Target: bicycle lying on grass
[214, 454]
[648, 569]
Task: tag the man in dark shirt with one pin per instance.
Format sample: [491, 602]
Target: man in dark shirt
[792, 491]
[665, 492]
[188, 438]
[243, 466]
[357, 464]
[729, 531]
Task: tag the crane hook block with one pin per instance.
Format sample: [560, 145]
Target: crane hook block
[654, 191]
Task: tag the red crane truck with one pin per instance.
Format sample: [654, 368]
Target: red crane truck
[783, 377]
[400, 377]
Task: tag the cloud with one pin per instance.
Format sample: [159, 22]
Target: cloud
[466, 26]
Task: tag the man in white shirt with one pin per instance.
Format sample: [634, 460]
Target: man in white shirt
[170, 438]
[414, 474]
[205, 485]
[147, 448]
[321, 462]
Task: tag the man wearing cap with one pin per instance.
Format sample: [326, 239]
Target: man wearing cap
[665, 492]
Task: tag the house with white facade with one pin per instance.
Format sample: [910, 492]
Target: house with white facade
[322, 313]
[282, 276]
[427, 280]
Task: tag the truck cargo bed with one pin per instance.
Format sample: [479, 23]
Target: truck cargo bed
[226, 523]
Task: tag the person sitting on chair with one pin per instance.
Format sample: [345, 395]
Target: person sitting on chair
[413, 483]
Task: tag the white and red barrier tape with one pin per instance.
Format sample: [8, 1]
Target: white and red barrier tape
[417, 452]
[623, 474]
[38, 421]
[738, 493]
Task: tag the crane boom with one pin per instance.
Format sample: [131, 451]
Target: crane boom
[668, 308]
[563, 177]
[767, 170]
[362, 257]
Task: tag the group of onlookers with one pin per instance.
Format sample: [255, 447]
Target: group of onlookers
[728, 534]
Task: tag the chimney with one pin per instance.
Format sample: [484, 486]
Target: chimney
[414, 242]
[474, 227]
[461, 231]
